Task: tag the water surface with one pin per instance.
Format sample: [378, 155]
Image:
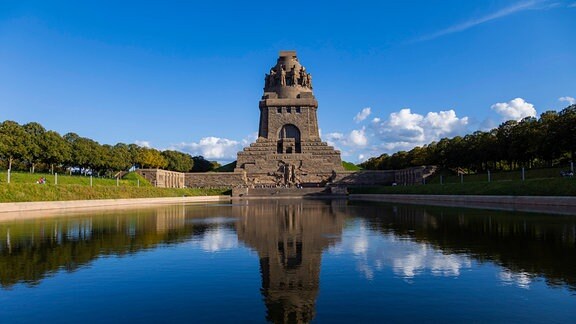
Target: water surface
[290, 261]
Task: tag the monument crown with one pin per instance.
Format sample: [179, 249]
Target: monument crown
[288, 78]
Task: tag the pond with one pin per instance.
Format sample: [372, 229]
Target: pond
[287, 261]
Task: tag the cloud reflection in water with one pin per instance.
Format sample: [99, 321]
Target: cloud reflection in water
[376, 252]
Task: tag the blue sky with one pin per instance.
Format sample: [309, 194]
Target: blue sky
[186, 75]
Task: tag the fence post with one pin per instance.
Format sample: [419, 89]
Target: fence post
[489, 176]
[461, 177]
[571, 166]
[523, 174]
[441, 180]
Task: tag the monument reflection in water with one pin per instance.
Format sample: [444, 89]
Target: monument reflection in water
[379, 262]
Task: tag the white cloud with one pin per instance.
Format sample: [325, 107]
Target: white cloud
[514, 109]
[142, 143]
[358, 137]
[517, 7]
[438, 124]
[349, 143]
[362, 115]
[335, 139]
[404, 130]
[569, 100]
[213, 148]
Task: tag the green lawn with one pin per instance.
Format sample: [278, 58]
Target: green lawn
[131, 179]
[532, 187]
[449, 177]
[23, 187]
[349, 166]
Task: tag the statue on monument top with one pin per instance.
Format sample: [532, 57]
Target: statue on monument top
[282, 76]
[294, 76]
[288, 72]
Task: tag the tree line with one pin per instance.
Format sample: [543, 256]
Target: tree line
[32, 147]
[531, 142]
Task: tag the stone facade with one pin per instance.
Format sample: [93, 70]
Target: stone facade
[288, 150]
[215, 179]
[365, 178]
[163, 178]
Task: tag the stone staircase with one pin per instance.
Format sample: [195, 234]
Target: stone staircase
[287, 192]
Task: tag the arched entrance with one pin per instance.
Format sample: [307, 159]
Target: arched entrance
[289, 139]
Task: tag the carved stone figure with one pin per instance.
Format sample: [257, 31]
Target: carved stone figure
[303, 77]
[282, 76]
[294, 76]
[271, 78]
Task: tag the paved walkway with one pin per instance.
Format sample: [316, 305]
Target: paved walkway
[21, 210]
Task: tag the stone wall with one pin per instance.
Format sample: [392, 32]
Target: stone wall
[365, 178]
[215, 179]
[414, 175]
[163, 178]
[169, 179]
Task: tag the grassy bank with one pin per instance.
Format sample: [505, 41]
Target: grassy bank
[535, 187]
[26, 192]
[23, 187]
[529, 174]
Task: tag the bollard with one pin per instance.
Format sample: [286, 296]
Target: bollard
[461, 177]
[489, 176]
[441, 180]
[56, 178]
[8, 176]
[90, 180]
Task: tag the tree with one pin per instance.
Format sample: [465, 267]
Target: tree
[151, 158]
[178, 161]
[134, 153]
[504, 136]
[54, 149]
[35, 141]
[14, 142]
[550, 146]
[567, 130]
[201, 164]
[86, 153]
[525, 139]
[121, 157]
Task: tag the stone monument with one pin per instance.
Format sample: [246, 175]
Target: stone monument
[288, 151]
